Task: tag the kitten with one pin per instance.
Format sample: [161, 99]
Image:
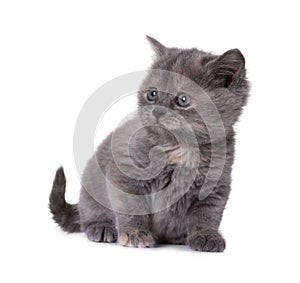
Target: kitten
[143, 219]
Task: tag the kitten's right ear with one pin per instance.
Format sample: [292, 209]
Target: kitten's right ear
[159, 49]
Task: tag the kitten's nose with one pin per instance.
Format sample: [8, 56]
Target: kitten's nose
[158, 111]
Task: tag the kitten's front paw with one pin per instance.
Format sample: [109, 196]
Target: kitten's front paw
[209, 242]
[136, 238]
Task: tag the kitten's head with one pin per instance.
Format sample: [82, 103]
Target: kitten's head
[219, 79]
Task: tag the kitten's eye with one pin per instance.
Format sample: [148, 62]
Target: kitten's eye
[152, 95]
[183, 100]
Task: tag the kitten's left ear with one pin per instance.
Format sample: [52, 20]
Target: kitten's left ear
[229, 68]
[157, 46]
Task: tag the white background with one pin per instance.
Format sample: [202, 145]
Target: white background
[54, 54]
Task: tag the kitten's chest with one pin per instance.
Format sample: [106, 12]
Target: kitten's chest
[184, 155]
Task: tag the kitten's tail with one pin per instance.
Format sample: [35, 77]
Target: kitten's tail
[64, 214]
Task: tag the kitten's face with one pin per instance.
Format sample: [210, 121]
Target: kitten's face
[220, 80]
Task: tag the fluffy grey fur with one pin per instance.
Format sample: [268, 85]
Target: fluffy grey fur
[189, 221]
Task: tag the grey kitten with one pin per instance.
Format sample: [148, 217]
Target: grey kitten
[194, 218]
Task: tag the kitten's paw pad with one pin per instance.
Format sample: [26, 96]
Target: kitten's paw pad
[99, 232]
[138, 239]
[212, 242]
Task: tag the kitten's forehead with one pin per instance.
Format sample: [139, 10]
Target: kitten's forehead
[178, 72]
[187, 62]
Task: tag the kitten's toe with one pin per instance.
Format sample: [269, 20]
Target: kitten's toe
[212, 242]
[136, 238]
[110, 235]
[98, 232]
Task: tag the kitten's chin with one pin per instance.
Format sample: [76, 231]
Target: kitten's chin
[160, 132]
[169, 124]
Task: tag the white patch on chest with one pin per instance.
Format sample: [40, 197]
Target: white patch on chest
[186, 155]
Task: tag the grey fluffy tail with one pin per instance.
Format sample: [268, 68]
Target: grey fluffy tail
[64, 214]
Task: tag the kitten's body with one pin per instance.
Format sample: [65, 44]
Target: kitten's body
[189, 220]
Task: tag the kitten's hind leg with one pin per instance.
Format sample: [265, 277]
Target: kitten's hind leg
[101, 232]
[97, 221]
